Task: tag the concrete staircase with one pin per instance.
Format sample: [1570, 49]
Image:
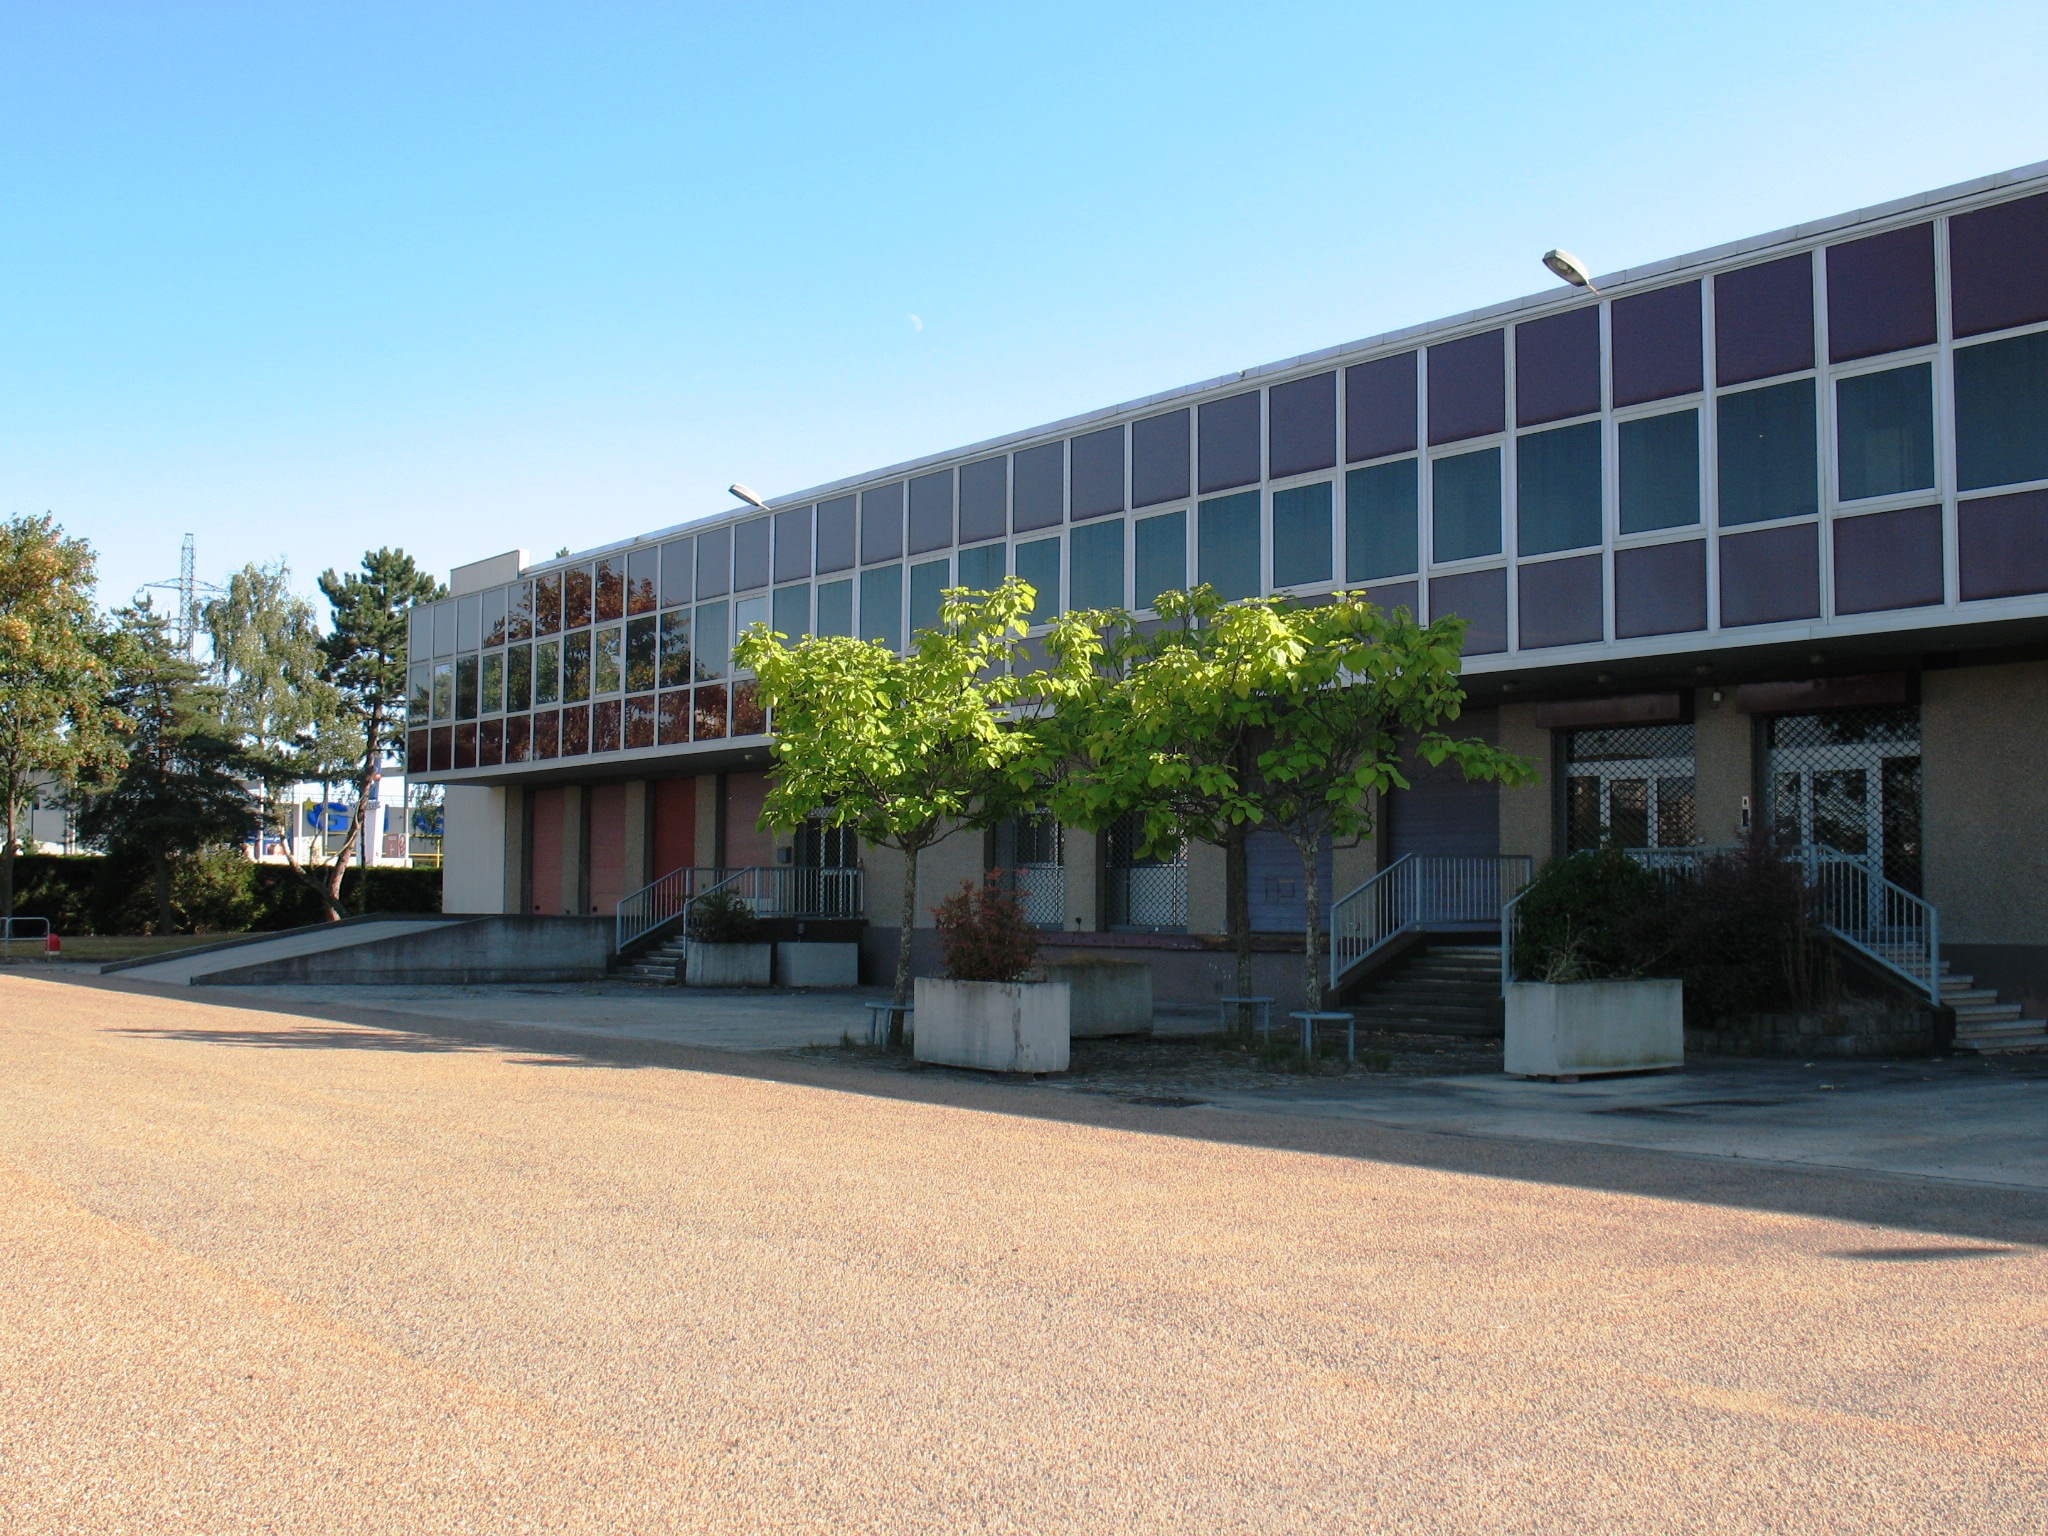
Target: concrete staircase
[1983, 1023]
[1442, 990]
[661, 966]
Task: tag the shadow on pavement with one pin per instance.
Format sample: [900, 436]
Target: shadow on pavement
[1989, 1213]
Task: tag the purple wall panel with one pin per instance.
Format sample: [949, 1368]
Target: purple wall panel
[931, 512]
[1301, 425]
[1881, 293]
[1657, 345]
[1159, 459]
[1379, 408]
[1770, 576]
[1394, 595]
[1039, 490]
[1480, 598]
[1888, 560]
[1660, 589]
[750, 564]
[1763, 320]
[1230, 442]
[1559, 602]
[1468, 387]
[1557, 367]
[793, 544]
[984, 500]
[2002, 545]
[835, 534]
[1095, 472]
[1998, 266]
[881, 523]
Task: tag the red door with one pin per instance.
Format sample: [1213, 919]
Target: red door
[544, 854]
[607, 848]
[675, 825]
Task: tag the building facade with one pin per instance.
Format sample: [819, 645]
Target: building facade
[1759, 532]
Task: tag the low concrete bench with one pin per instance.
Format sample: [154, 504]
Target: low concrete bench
[880, 1017]
[1309, 1021]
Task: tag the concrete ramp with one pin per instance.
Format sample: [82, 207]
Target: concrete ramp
[205, 964]
[381, 951]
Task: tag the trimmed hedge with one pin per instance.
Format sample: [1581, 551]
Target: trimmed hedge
[220, 892]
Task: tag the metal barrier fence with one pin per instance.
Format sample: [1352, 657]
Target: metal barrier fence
[1419, 891]
[37, 932]
[772, 890]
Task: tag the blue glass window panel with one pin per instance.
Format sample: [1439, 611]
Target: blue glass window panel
[2002, 412]
[444, 629]
[835, 534]
[984, 500]
[881, 605]
[1382, 516]
[469, 622]
[1227, 545]
[675, 649]
[835, 607]
[1230, 442]
[1884, 432]
[1303, 527]
[982, 567]
[712, 651]
[1464, 494]
[793, 610]
[931, 512]
[1038, 562]
[1769, 465]
[1159, 458]
[1096, 570]
[750, 555]
[1040, 488]
[928, 583]
[881, 524]
[1660, 471]
[1301, 426]
[1159, 556]
[714, 562]
[1557, 489]
[1095, 469]
[793, 544]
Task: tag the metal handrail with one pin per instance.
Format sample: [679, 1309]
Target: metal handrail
[1419, 891]
[772, 890]
[1877, 917]
[8, 935]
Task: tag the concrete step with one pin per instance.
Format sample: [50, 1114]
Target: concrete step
[1961, 997]
[1987, 1013]
[2023, 1035]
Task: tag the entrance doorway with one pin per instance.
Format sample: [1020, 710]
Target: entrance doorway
[1631, 786]
[1849, 779]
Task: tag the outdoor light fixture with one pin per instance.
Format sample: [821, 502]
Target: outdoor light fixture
[749, 496]
[1570, 268]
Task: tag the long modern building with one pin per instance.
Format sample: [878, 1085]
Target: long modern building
[1757, 532]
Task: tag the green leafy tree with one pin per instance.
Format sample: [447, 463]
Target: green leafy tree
[903, 749]
[363, 658]
[1265, 711]
[183, 785]
[274, 699]
[54, 720]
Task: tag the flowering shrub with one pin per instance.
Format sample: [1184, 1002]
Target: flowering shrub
[984, 934]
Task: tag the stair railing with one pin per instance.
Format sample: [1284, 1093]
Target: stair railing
[1877, 917]
[1418, 892]
[772, 890]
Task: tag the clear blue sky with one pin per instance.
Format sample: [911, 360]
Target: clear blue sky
[308, 278]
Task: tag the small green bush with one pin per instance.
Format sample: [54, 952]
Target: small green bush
[984, 934]
[1589, 917]
[722, 918]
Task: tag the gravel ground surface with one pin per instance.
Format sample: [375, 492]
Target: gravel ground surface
[264, 1272]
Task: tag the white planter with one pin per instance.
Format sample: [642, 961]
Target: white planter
[810, 964]
[997, 1026]
[1582, 1028]
[1111, 997]
[728, 965]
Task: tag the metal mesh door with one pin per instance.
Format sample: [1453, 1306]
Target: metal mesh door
[1849, 779]
[1147, 893]
[1630, 785]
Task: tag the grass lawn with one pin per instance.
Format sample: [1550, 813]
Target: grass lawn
[110, 946]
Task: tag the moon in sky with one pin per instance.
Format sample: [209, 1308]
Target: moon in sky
[916, 324]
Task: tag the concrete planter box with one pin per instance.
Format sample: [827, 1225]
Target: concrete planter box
[1583, 1028]
[805, 964]
[997, 1026]
[728, 965]
[1110, 997]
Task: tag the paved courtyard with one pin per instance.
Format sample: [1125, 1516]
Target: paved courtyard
[273, 1265]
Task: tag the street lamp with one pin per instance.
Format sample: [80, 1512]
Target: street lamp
[750, 497]
[1570, 268]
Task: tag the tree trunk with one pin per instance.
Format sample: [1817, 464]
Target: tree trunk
[1237, 904]
[163, 892]
[908, 918]
[1312, 928]
[7, 874]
